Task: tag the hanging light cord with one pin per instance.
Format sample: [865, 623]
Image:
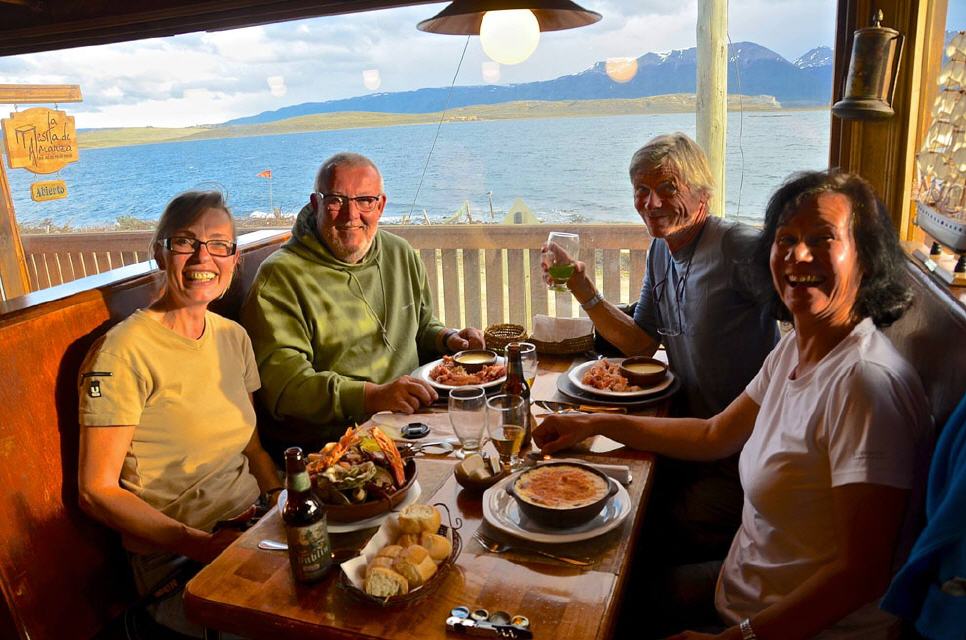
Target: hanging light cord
[439, 125]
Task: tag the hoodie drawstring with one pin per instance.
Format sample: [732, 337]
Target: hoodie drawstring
[362, 296]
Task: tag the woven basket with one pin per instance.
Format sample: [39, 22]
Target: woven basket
[498, 336]
[570, 346]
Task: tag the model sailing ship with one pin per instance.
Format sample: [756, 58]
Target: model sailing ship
[941, 164]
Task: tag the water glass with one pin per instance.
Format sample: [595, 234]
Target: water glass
[467, 414]
[561, 269]
[528, 353]
[506, 417]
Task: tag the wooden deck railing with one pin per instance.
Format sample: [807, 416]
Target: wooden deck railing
[479, 274]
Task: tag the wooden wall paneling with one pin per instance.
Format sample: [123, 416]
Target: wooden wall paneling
[493, 263]
[516, 287]
[451, 288]
[538, 288]
[472, 300]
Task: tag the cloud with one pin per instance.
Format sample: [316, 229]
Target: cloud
[210, 77]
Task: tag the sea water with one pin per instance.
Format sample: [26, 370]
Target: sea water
[564, 169]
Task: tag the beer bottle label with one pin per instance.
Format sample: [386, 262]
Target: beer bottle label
[309, 550]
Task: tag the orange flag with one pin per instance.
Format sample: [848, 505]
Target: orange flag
[267, 173]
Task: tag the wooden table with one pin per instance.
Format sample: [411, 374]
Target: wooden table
[251, 592]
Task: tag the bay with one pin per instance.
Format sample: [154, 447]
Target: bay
[565, 169]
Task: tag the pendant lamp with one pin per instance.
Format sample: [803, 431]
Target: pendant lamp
[463, 17]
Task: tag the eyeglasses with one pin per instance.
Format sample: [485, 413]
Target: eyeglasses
[671, 329]
[186, 245]
[334, 202]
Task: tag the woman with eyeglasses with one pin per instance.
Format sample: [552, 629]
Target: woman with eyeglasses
[834, 434]
[168, 447]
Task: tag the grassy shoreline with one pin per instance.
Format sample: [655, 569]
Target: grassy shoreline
[528, 109]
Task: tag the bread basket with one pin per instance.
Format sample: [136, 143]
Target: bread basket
[498, 336]
[568, 347]
[449, 528]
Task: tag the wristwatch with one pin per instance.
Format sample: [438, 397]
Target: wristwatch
[747, 633]
[593, 302]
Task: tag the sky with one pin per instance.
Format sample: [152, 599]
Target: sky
[208, 78]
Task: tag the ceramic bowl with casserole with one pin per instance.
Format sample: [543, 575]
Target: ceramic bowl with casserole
[643, 371]
[473, 360]
[561, 495]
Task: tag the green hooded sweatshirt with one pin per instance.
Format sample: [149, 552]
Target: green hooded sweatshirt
[321, 328]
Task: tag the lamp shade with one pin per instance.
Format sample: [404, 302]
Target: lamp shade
[463, 17]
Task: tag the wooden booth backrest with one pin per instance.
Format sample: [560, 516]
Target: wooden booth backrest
[62, 574]
[932, 337]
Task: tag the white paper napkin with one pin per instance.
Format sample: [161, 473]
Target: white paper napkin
[548, 329]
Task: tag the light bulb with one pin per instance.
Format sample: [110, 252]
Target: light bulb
[621, 69]
[509, 37]
[371, 79]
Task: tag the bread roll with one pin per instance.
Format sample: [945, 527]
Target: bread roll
[390, 551]
[407, 540]
[419, 517]
[379, 561]
[439, 547]
[383, 583]
[415, 564]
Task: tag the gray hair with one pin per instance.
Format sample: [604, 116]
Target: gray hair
[344, 159]
[679, 154]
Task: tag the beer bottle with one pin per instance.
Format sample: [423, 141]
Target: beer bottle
[305, 527]
[516, 384]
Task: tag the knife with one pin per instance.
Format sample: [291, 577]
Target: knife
[555, 407]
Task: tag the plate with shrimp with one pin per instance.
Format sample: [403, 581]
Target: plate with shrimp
[603, 378]
[444, 374]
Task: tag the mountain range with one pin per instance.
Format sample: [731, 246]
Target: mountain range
[752, 70]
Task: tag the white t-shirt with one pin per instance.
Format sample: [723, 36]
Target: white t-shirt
[859, 416]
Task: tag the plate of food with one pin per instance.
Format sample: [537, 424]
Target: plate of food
[502, 510]
[604, 378]
[361, 476]
[406, 559]
[445, 374]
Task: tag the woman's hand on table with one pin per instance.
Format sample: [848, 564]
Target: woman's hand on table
[562, 432]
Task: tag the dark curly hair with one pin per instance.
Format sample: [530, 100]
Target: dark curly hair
[884, 293]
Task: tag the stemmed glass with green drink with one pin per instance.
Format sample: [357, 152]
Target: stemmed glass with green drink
[561, 271]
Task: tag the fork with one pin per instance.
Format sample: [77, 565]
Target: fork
[494, 546]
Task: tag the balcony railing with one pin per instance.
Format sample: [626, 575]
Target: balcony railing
[479, 274]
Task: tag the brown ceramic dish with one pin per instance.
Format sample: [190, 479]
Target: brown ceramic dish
[477, 486]
[642, 371]
[472, 360]
[371, 508]
[563, 517]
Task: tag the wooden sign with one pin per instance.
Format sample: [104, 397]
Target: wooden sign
[40, 140]
[48, 190]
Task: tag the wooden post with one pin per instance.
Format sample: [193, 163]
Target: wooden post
[712, 92]
[13, 264]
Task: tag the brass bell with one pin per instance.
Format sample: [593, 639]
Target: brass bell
[873, 68]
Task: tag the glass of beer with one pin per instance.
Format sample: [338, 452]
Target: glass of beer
[467, 414]
[528, 353]
[561, 268]
[505, 420]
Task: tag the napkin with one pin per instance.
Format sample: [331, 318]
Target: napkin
[619, 472]
[548, 329]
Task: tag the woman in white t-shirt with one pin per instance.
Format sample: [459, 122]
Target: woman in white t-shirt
[834, 431]
[168, 446]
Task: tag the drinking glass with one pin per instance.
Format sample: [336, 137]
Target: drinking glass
[467, 414]
[561, 271]
[528, 353]
[505, 417]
